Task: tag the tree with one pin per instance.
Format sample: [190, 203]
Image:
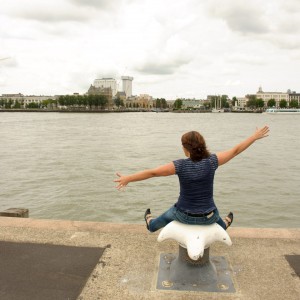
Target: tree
[103, 101]
[260, 103]
[251, 101]
[271, 103]
[161, 103]
[119, 102]
[8, 103]
[17, 104]
[91, 100]
[61, 100]
[294, 104]
[224, 101]
[177, 104]
[283, 103]
[32, 105]
[234, 100]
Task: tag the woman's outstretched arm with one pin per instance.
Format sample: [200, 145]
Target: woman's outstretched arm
[225, 156]
[165, 170]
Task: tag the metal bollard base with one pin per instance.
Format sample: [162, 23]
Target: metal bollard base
[176, 273]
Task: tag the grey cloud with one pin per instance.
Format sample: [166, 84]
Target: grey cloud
[68, 10]
[245, 18]
[238, 58]
[54, 16]
[51, 12]
[99, 4]
[9, 62]
[286, 43]
[291, 6]
[289, 24]
[164, 68]
[246, 24]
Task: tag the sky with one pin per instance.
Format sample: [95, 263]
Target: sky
[172, 48]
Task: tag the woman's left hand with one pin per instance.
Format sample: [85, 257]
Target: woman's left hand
[122, 182]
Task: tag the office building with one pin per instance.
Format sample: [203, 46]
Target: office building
[127, 85]
[105, 83]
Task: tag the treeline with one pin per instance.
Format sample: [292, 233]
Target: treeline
[18, 104]
[98, 101]
[254, 102]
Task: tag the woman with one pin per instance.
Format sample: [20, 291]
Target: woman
[195, 204]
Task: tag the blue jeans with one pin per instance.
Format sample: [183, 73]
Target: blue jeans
[174, 214]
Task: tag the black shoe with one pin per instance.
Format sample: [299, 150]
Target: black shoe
[147, 212]
[229, 216]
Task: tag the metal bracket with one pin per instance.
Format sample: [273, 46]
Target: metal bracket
[178, 272]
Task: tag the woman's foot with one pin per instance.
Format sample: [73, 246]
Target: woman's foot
[148, 217]
[229, 219]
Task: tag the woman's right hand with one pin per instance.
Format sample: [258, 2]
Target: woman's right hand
[225, 156]
[121, 181]
[261, 133]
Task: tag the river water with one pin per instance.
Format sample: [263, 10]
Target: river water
[62, 165]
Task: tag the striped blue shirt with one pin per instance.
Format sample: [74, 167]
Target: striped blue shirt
[196, 181]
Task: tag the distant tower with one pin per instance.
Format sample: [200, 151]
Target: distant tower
[127, 85]
[260, 89]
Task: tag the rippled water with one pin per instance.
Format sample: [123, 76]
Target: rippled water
[62, 165]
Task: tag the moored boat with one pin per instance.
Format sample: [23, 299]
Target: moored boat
[218, 110]
[282, 111]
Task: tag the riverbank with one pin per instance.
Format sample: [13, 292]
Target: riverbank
[129, 265]
[121, 111]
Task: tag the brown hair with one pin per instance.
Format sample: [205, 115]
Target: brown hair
[194, 142]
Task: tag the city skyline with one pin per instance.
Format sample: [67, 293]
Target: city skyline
[182, 49]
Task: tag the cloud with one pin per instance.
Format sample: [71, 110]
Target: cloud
[166, 57]
[160, 67]
[98, 4]
[51, 14]
[9, 62]
[169, 47]
[274, 22]
[291, 6]
[240, 16]
[49, 11]
[242, 58]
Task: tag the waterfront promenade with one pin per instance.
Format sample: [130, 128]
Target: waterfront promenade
[128, 267]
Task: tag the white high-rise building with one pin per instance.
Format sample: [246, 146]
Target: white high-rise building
[127, 85]
[107, 83]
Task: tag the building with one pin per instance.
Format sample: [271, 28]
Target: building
[293, 96]
[143, 101]
[192, 103]
[25, 100]
[106, 83]
[107, 92]
[266, 96]
[240, 103]
[127, 85]
[121, 95]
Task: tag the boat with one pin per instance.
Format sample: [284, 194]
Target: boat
[218, 106]
[218, 110]
[282, 111]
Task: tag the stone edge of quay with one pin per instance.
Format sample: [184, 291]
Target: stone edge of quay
[234, 232]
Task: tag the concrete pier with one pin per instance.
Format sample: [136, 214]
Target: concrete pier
[129, 265]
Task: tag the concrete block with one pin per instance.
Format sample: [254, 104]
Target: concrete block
[15, 212]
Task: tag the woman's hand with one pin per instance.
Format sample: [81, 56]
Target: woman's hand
[261, 132]
[122, 181]
[225, 156]
[165, 170]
